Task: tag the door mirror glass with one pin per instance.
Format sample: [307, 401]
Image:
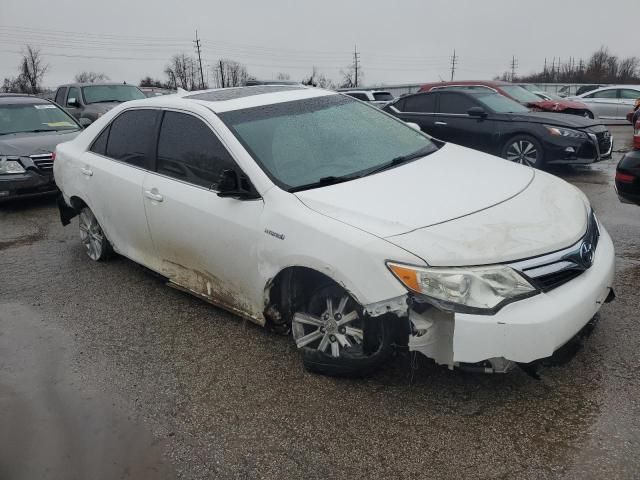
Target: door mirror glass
[72, 102]
[85, 122]
[228, 181]
[477, 112]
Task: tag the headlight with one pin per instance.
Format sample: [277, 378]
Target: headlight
[565, 132]
[10, 166]
[468, 290]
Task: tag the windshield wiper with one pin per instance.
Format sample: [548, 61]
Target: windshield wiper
[323, 182]
[402, 159]
[108, 101]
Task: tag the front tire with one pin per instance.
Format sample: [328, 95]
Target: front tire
[335, 336]
[92, 237]
[524, 149]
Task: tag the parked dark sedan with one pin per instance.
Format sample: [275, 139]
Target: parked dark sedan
[492, 123]
[628, 171]
[30, 129]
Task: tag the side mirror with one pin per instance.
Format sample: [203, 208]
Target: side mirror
[85, 122]
[72, 102]
[230, 184]
[415, 126]
[477, 112]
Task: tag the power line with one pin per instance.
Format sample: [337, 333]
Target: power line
[454, 62]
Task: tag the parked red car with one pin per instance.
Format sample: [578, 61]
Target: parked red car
[520, 95]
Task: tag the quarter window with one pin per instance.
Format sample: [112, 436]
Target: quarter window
[131, 136]
[421, 103]
[455, 104]
[604, 94]
[100, 144]
[629, 94]
[188, 150]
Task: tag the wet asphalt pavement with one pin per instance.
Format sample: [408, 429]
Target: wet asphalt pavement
[106, 373]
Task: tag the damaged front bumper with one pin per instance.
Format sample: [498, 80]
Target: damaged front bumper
[521, 332]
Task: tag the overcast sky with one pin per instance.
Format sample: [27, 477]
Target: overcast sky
[406, 41]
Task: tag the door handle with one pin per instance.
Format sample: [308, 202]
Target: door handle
[156, 197]
[444, 124]
[86, 171]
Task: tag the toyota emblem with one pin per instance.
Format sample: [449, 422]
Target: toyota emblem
[586, 254]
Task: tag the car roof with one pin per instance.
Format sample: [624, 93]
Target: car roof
[236, 98]
[484, 83]
[89, 84]
[17, 98]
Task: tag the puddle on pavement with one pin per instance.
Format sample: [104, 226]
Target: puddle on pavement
[53, 426]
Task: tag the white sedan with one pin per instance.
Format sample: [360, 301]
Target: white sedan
[307, 211]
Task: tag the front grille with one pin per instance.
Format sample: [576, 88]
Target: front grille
[550, 271]
[43, 162]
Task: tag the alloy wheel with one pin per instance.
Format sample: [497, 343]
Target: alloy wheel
[337, 328]
[91, 234]
[523, 152]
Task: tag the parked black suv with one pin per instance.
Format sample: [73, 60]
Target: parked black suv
[88, 101]
[498, 125]
[30, 129]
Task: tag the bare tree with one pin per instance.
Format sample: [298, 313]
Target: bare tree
[32, 69]
[229, 73]
[318, 80]
[181, 71]
[628, 69]
[283, 76]
[91, 77]
[349, 77]
[153, 82]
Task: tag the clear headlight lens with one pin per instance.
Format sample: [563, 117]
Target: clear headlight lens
[565, 132]
[10, 166]
[471, 290]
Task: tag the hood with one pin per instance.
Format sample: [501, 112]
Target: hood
[25, 144]
[558, 105]
[547, 216]
[557, 119]
[101, 107]
[448, 184]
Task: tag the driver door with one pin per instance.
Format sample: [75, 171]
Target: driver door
[205, 243]
[73, 94]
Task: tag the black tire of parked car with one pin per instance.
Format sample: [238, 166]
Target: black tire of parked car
[98, 247]
[358, 360]
[517, 145]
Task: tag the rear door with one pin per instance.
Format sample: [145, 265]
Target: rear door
[421, 109]
[114, 170]
[207, 244]
[627, 97]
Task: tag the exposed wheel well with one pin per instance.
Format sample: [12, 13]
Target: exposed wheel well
[77, 203]
[286, 292]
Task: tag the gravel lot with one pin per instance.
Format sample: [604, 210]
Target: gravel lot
[107, 373]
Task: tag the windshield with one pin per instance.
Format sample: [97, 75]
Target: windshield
[522, 95]
[34, 117]
[111, 93]
[299, 143]
[500, 104]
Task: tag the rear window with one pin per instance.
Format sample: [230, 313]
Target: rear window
[359, 96]
[382, 96]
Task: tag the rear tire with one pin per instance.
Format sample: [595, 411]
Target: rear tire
[335, 336]
[524, 149]
[92, 237]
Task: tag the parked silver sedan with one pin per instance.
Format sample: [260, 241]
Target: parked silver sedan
[612, 103]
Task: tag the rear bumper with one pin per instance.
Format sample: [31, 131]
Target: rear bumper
[25, 185]
[536, 327]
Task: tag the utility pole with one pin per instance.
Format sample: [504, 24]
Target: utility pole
[454, 62]
[514, 65]
[197, 45]
[544, 71]
[356, 65]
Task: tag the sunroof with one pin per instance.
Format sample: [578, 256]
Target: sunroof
[240, 92]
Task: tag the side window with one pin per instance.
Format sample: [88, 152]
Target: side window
[455, 103]
[399, 105]
[100, 144]
[188, 150]
[60, 95]
[131, 136]
[74, 93]
[421, 103]
[628, 94]
[604, 94]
